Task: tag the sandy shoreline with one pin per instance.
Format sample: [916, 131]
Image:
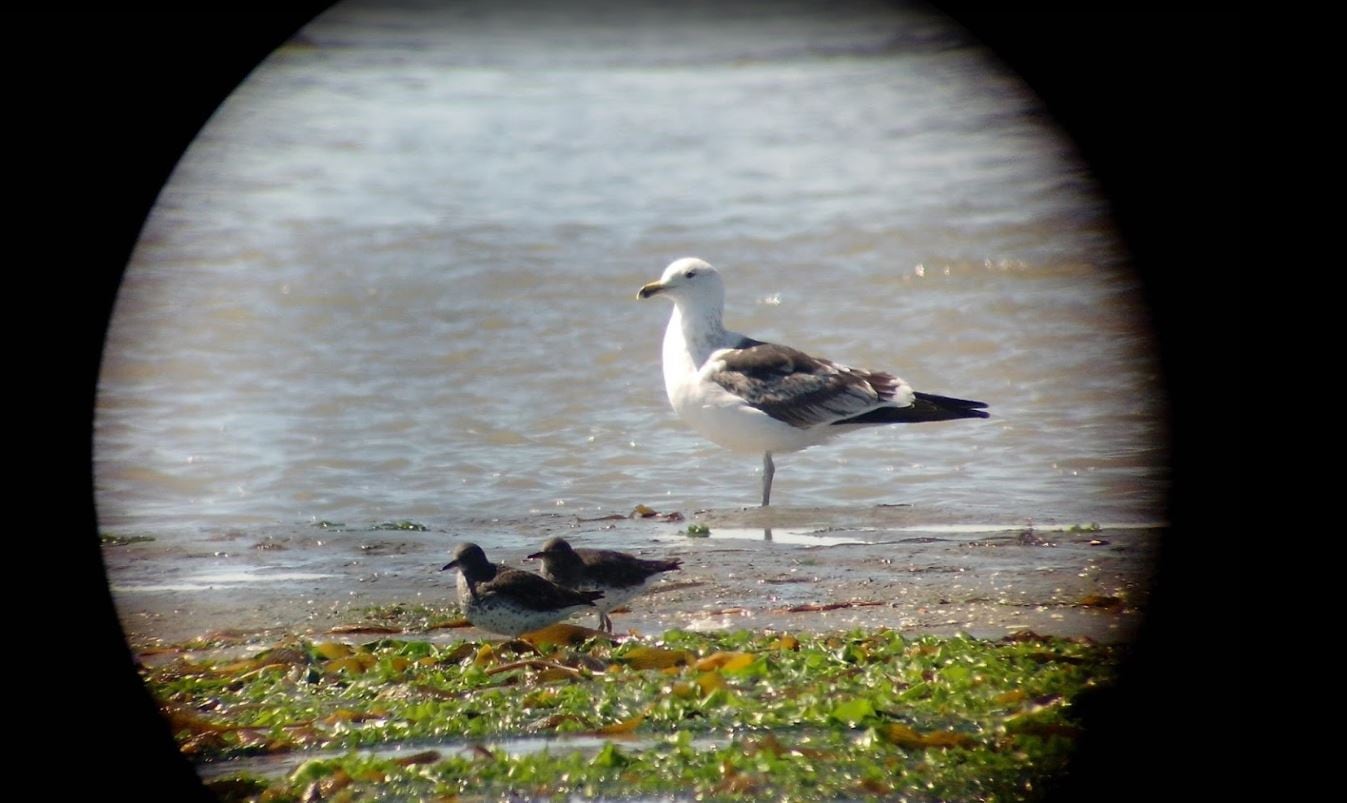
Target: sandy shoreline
[807, 570]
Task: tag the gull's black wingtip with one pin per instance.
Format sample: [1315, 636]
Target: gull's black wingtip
[925, 407]
[949, 402]
[931, 407]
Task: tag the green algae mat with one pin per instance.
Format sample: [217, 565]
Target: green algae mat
[572, 713]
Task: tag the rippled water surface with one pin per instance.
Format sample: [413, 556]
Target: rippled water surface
[394, 277]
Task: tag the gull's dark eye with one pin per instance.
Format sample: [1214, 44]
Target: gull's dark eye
[689, 274]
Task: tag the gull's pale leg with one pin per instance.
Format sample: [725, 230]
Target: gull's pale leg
[768, 469]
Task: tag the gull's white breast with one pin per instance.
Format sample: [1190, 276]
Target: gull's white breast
[720, 416]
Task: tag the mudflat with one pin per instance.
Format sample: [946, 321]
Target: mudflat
[789, 569]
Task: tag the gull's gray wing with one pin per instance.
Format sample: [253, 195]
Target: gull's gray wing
[801, 390]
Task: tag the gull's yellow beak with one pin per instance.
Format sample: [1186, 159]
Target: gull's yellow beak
[650, 290]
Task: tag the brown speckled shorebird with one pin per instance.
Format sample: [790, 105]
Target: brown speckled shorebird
[618, 575]
[509, 601]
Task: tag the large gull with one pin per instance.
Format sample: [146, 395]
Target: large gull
[751, 396]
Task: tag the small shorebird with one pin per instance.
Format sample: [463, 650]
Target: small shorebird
[509, 601]
[618, 575]
[751, 396]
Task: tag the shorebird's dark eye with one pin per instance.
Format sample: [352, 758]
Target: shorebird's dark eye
[689, 274]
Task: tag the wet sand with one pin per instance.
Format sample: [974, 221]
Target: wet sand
[805, 569]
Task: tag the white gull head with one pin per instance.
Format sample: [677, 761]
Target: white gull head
[690, 283]
[695, 329]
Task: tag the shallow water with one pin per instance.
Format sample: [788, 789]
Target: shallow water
[393, 280]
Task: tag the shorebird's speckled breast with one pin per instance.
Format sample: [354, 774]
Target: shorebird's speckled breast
[500, 612]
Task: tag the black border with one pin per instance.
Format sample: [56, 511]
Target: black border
[1151, 99]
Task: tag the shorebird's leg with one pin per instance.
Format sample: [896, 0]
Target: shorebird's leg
[605, 623]
[768, 469]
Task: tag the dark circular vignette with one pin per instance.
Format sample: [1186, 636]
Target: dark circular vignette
[1150, 99]
[1152, 102]
[159, 76]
